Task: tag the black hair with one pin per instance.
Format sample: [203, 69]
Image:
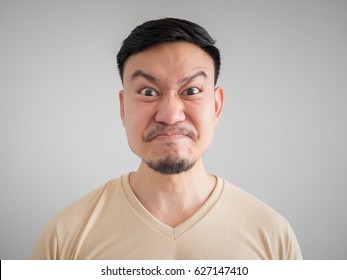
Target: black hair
[163, 30]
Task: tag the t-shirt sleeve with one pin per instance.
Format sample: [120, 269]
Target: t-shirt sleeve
[46, 248]
[293, 249]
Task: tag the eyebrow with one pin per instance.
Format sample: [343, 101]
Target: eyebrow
[149, 77]
[193, 76]
[140, 73]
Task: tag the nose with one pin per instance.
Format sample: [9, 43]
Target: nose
[170, 110]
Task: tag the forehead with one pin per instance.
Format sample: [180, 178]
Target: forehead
[173, 60]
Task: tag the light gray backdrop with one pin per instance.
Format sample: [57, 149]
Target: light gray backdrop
[282, 135]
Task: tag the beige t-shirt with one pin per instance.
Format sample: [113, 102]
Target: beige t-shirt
[111, 223]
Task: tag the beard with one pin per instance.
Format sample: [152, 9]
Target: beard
[170, 165]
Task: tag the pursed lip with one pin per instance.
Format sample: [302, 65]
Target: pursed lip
[166, 134]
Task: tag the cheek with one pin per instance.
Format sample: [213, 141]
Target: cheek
[204, 114]
[136, 118]
[204, 120]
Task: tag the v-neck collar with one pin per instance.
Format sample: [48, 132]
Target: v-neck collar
[177, 231]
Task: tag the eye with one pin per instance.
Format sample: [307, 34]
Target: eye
[148, 92]
[191, 91]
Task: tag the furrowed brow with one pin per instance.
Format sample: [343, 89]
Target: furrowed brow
[140, 73]
[149, 77]
[193, 76]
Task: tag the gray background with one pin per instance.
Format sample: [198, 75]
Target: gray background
[282, 135]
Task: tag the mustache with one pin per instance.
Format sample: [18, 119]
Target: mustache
[164, 129]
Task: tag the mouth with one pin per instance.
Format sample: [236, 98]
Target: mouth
[164, 133]
[169, 137]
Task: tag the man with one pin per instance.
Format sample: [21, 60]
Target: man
[170, 208]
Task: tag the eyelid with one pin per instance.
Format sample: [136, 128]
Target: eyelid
[142, 91]
[185, 92]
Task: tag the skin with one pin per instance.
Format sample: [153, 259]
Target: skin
[169, 108]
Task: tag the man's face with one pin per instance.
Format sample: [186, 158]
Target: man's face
[169, 105]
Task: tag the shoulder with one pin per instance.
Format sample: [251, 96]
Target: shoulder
[60, 236]
[91, 204]
[259, 223]
[248, 205]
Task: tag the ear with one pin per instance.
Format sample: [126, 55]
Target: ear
[121, 105]
[219, 102]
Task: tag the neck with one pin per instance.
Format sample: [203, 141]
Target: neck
[172, 198]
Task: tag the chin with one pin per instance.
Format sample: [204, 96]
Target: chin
[170, 165]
